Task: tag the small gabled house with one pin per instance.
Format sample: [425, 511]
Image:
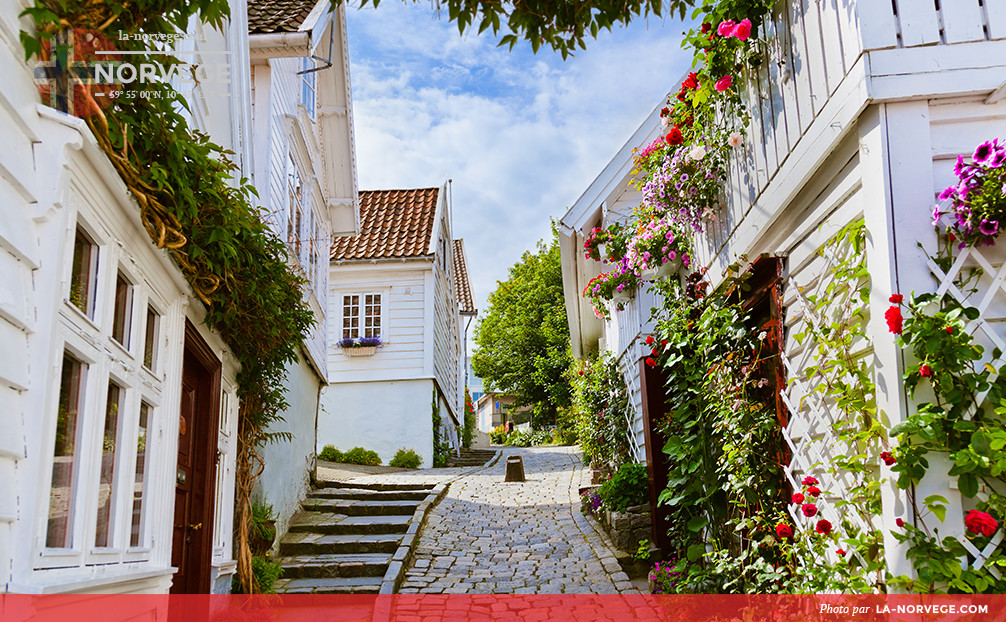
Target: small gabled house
[305, 173]
[396, 283]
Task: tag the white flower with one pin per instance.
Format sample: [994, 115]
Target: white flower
[664, 121]
[697, 153]
[735, 139]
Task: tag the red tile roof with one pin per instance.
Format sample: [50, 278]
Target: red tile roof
[464, 288]
[269, 16]
[393, 223]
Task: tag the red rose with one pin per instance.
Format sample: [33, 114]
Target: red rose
[798, 498]
[663, 342]
[743, 29]
[692, 81]
[840, 552]
[980, 523]
[896, 298]
[814, 491]
[810, 481]
[689, 120]
[674, 137]
[887, 458]
[783, 530]
[809, 510]
[949, 329]
[681, 97]
[925, 371]
[705, 27]
[651, 362]
[894, 320]
[723, 83]
[649, 340]
[899, 522]
[664, 112]
[654, 352]
[823, 526]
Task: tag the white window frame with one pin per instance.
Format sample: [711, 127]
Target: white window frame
[308, 86]
[383, 293]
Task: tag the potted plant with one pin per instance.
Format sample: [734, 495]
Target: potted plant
[658, 249]
[362, 346]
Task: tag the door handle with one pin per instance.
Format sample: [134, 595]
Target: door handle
[196, 527]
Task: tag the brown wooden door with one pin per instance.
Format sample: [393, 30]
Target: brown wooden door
[195, 479]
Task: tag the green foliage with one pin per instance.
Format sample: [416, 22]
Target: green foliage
[499, 435]
[469, 430]
[330, 453]
[522, 341]
[628, 487]
[601, 406]
[558, 24]
[530, 438]
[406, 459]
[359, 455]
[441, 449]
[265, 573]
[722, 438]
[263, 521]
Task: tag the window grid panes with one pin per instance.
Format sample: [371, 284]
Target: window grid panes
[106, 479]
[150, 339]
[361, 316]
[83, 273]
[350, 317]
[59, 528]
[139, 477]
[372, 315]
[122, 316]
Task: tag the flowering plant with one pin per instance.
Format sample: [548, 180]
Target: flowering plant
[978, 200]
[607, 285]
[686, 187]
[361, 342]
[664, 576]
[656, 243]
[613, 237]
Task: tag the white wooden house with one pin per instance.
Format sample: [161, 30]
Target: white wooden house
[609, 199]
[108, 481]
[397, 281]
[305, 173]
[860, 112]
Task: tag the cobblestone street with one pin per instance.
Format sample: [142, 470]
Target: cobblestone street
[490, 536]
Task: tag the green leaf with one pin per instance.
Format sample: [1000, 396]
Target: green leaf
[967, 483]
[697, 523]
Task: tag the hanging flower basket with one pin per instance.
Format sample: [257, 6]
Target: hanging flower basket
[663, 271]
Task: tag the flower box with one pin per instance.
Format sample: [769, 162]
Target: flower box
[360, 351]
[663, 271]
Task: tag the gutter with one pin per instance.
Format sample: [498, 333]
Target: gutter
[279, 45]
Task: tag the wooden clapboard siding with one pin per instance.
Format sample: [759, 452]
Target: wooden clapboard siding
[402, 286]
[446, 336]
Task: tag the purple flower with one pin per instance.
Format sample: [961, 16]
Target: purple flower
[949, 192]
[989, 227]
[998, 159]
[984, 153]
[936, 215]
[959, 167]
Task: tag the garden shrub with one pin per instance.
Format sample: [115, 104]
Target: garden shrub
[626, 488]
[406, 459]
[330, 453]
[601, 404]
[499, 435]
[266, 574]
[359, 455]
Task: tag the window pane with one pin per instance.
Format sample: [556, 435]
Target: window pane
[106, 482]
[150, 339]
[60, 523]
[139, 479]
[83, 273]
[122, 317]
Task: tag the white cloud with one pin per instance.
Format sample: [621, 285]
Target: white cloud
[522, 136]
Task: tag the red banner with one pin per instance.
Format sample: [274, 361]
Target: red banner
[516, 608]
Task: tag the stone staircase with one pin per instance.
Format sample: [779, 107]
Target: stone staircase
[344, 538]
[471, 457]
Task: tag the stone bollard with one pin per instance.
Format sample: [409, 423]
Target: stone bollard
[514, 469]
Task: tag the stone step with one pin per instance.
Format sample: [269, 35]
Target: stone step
[376, 486]
[472, 457]
[340, 524]
[335, 565]
[333, 585]
[355, 507]
[368, 495]
[308, 543]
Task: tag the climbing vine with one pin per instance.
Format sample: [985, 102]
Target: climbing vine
[441, 448]
[191, 205]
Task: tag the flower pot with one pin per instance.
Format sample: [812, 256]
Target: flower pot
[361, 351]
[663, 271]
[602, 250]
[621, 298]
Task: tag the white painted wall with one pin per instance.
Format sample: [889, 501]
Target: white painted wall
[286, 478]
[383, 416]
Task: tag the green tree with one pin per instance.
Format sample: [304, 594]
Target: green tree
[562, 25]
[522, 342]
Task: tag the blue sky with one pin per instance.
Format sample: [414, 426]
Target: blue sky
[521, 135]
